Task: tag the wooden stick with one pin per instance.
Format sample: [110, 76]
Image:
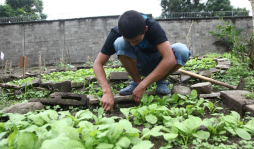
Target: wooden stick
[39, 53]
[6, 65]
[24, 66]
[10, 62]
[69, 56]
[44, 62]
[207, 79]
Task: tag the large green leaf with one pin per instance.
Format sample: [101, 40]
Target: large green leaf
[143, 145]
[104, 146]
[84, 114]
[203, 135]
[123, 142]
[170, 136]
[73, 144]
[194, 94]
[36, 119]
[242, 133]
[151, 119]
[25, 140]
[59, 142]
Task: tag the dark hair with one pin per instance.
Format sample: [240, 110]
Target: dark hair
[131, 24]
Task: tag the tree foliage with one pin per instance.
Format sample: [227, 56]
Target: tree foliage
[19, 8]
[170, 6]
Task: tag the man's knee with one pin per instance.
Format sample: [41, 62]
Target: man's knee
[182, 53]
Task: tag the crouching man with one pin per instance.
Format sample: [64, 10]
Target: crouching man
[144, 50]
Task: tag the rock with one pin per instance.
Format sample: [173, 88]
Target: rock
[77, 84]
[52, 70]
[14, 76]
[64, 86]
[93, 100]
[214, 70]
[174, 78]
[212, 95]
[30, 74]
[24, 108]
[235, 100]
[64, 99]
[119, 76]
[206, 73]
[223, 67]
[91, 78]
[119, 98]
[185, 77]
[182, 90]
[46, 84]
[250, 108]
[176, 73]
[205, 87]
[34, 83]
[9, 86]
[40, 89]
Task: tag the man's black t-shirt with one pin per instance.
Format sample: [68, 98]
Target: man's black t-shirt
[153, 36]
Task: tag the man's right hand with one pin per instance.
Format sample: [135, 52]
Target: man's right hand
[107, 101]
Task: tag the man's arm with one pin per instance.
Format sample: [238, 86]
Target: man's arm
[167, 63]
[107, 101]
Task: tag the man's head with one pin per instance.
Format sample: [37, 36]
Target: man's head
[131, 25]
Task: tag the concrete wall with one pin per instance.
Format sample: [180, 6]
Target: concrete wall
[85, 37]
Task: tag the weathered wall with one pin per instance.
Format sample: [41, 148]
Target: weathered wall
[85, 37]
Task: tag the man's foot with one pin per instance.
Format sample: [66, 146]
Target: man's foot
[162, 87]
[129, 89]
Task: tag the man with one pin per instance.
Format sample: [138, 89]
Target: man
[144, 50]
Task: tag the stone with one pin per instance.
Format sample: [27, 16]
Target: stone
[185, 77]
[119, 76]
[212, 95]
[46, 84]
[206, 73]
[182, 90]
[119, 98]
[176, 73]
[9, 86]
[214, 70]
[15, 76]
[77, 84]
[93, 100]
[64, 99]
[91, 78]
[236, 100]
[202, 88]
[250, 108]
[24, 108]
[64, 86]
[34, 83]
[222, 67]
[40, 89]
[52, 70]
[227, 63]
[30, 74]
[174, 78]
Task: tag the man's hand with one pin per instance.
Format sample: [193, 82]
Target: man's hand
[107, 101]
[138, 93]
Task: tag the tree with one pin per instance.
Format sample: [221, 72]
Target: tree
[169, 6]
[218, 5]
[18, 8]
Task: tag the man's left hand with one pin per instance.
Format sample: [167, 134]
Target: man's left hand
[138, 93]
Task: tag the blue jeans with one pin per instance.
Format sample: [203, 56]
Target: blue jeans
[147, 62]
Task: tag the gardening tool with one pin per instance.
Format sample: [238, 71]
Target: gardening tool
[239, 87]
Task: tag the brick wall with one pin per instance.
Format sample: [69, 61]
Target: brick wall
[85, 37]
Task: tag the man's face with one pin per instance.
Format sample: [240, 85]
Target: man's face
[134, 41]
